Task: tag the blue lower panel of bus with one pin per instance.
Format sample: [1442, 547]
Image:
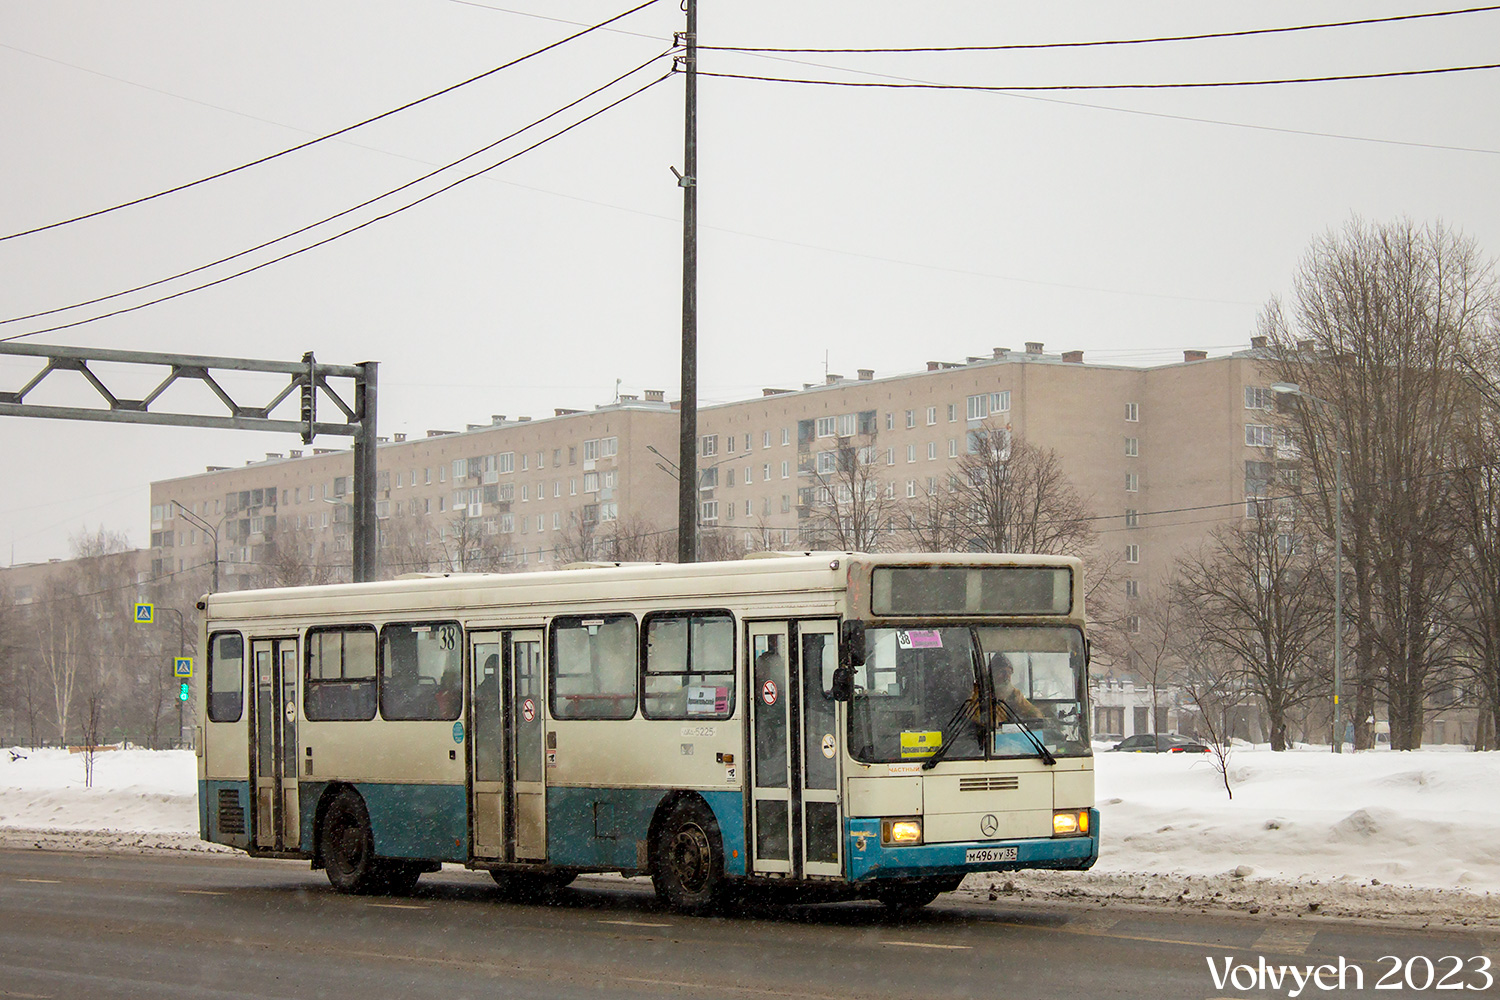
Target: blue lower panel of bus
[602, 827]
[224, 812]
[409, 821]
[869, 859]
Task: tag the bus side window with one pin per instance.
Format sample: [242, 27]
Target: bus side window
[689, 666]
[593, 667]
[340, 674]
[419, 671]
[226, 677]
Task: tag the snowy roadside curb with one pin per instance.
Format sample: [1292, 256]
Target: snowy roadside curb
[108, 842]
[1338, 899]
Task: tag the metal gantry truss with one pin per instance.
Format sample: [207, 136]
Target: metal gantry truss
[307, 379]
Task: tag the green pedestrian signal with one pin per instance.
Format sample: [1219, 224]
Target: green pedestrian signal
[182, 693]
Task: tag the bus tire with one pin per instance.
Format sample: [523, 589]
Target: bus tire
[348, 846]
[687, 858]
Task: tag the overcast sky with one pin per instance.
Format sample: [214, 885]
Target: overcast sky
[841, 228]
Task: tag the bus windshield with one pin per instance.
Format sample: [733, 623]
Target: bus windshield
[974, 688]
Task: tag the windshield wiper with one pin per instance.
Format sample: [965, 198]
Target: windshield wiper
[1041, 748]
[969, 708]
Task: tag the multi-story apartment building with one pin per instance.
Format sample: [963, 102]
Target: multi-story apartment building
[1159, 454]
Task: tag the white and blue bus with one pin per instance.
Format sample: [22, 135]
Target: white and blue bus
[837, 725]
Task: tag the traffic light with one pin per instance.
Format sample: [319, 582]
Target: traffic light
[182, 692]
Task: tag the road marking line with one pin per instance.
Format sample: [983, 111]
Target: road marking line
[401, 906]
[633, 923]
[924, 944]
[203, 892]
[26, 996]
[42, 881]
[1285, 940]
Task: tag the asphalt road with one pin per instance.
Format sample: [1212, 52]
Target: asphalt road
[119, 925]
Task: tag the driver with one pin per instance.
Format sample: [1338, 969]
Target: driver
[1017, 705]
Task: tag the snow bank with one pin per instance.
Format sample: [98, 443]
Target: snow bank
[139, 791]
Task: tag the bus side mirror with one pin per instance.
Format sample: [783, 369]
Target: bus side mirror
[843, 684]
[852, 644]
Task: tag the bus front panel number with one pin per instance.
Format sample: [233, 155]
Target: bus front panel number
[986, 855]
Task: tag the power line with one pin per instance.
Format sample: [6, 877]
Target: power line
[327, 219]
[1105, 42]
[1189, 85]
[352, 229]
[323, 138]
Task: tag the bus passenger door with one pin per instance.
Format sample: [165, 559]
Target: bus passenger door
[487, 806]
[770, 701]
[275, 756]
[528, 803]
[822, 815]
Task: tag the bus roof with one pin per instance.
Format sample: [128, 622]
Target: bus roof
[759, 573]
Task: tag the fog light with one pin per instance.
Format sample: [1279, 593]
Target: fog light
[901, 831]
[1070, 823]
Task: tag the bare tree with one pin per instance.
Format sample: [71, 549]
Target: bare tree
[1210, 682]
[1008, 495]
[1254, 594]
[1475, 609]
[294, 557]
[1383, 318]
[1151, 639]
[850, 507]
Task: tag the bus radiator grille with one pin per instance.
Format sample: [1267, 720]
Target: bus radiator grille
[986, 783]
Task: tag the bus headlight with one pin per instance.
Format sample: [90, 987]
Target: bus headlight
[1070, 823]
[902, 832]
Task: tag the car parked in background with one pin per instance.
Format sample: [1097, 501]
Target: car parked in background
[1160, 743]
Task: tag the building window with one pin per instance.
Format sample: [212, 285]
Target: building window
[1132, 447]
[1132, 482]
[1132, 588]
[931, 415]
[827, 426]
[709, 510]
[890, 421]
[931, 451]
[786, 436]
[786, 470]
[729, 443]
[911, 489]
[911, 418]
[1132, 518]
[979, 406]
[1259, 436]
[953, 447]
[710, 445]
[1257, 398]
[1132, 553]
[1133, 622]
[1132, 412]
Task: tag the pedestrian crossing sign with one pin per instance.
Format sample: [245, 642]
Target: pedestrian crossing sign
[182, 666]
[143, 613]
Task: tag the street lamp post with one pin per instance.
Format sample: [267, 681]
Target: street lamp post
[211, 534]
[1292, 389]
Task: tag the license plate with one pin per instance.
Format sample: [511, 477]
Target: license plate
[985, 855]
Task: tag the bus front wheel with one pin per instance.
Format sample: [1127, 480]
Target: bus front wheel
[687, 864]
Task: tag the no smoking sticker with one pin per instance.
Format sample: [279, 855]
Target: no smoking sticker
[528, 710]
[828, 745]
[768, 692]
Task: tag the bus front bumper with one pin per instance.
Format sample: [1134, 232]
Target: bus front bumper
[870, 859]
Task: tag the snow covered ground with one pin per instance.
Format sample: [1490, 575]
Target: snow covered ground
[1412, 835]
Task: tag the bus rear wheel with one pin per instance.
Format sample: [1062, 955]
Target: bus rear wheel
[687, 860]
[349, 847]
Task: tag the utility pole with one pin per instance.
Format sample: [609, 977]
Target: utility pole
[687, 481]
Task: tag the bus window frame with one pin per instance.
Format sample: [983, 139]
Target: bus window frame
[556, 700]
[309, 682]
[729, 671]
[380, 662]
[212, 674]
